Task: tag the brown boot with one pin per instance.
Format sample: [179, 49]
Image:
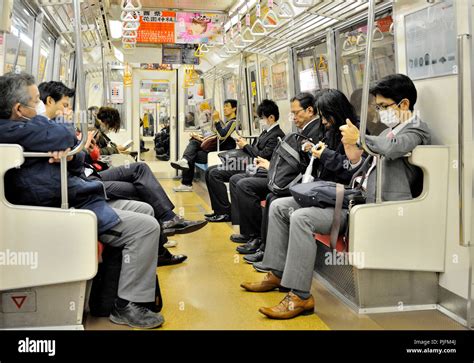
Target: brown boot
[269, 283]
[290, 307]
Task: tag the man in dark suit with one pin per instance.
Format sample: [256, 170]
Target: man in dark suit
[249, 191]
[262, 147]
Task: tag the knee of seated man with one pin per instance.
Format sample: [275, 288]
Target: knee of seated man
[145, 208]
[148, 225]
[300, 216]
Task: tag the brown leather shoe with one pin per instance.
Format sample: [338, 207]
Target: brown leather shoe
[290, 307]
[269, 283]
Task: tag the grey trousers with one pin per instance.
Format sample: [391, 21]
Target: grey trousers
[139, 234]
[291, 247]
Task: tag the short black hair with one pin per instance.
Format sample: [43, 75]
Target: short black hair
[305, 99]
[55, 90]
[396, 87]
[232, 102]
[267, 108]
[111, 117]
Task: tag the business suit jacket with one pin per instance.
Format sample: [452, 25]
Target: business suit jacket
[265, 144]
[401, 180]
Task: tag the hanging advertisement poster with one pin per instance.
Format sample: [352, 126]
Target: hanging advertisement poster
[180, 54]
[156, 27]
[431, 41]
[156, 67]
[279, 81]
[199, 28]
[116, 92]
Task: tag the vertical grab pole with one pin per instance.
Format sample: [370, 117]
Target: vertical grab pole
[214, 106]
[81, 97]
[238, 116]
[365, 99]
[104, 78]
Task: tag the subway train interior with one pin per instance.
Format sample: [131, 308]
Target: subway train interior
[236, 165]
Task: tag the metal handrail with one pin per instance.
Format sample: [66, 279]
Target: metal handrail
[238, 116]
[365, 100]
[462, 208]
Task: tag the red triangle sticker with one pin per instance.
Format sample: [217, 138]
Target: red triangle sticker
[19, 300]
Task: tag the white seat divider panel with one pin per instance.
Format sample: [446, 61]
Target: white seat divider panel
[42, 246]
[407, 235]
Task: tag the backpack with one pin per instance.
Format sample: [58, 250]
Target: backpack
[105, 285]
[285, 165]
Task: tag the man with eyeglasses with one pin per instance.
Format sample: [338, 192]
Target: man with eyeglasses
[247, 192]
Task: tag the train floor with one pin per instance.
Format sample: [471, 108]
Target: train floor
[204, 292]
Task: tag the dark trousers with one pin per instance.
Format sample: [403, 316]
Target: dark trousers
[137, 182]
[250, 191]
[216, 176]
[193, 154]
[263, 232]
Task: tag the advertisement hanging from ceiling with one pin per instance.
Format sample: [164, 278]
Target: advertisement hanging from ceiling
[180, 54]
[157, 27]
[197, 28]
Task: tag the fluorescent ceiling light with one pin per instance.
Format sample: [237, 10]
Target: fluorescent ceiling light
[115, 29]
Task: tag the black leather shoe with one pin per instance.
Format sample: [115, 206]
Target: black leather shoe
[136, 316]
[250, 247]
[210, 214]
[168, 259]
[180, 225]
[256, 257]
[219, 218]
[240, 238]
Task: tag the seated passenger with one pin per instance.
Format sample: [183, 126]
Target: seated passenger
[262, 147]
[195, 154]
[247, 192]
[134, 181]
[108, 119]
[121, 223]
[291, 252]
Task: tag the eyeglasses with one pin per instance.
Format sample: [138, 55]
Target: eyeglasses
[294, 113]
[385, 107]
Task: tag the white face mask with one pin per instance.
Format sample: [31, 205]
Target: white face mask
[264, 125]
[389, 117]
[40, 108]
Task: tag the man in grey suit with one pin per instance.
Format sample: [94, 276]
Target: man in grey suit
[291, 250]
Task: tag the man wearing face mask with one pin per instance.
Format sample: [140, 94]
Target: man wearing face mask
[262, 146]
[395, 97]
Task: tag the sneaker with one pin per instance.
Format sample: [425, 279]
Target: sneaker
[180, 164]
[136, 316]
[260, 267]
[183, 188]
[170, 243]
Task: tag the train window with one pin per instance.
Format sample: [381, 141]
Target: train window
[312, 66]
[45, 71]
[351, 45]
[19, 42]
